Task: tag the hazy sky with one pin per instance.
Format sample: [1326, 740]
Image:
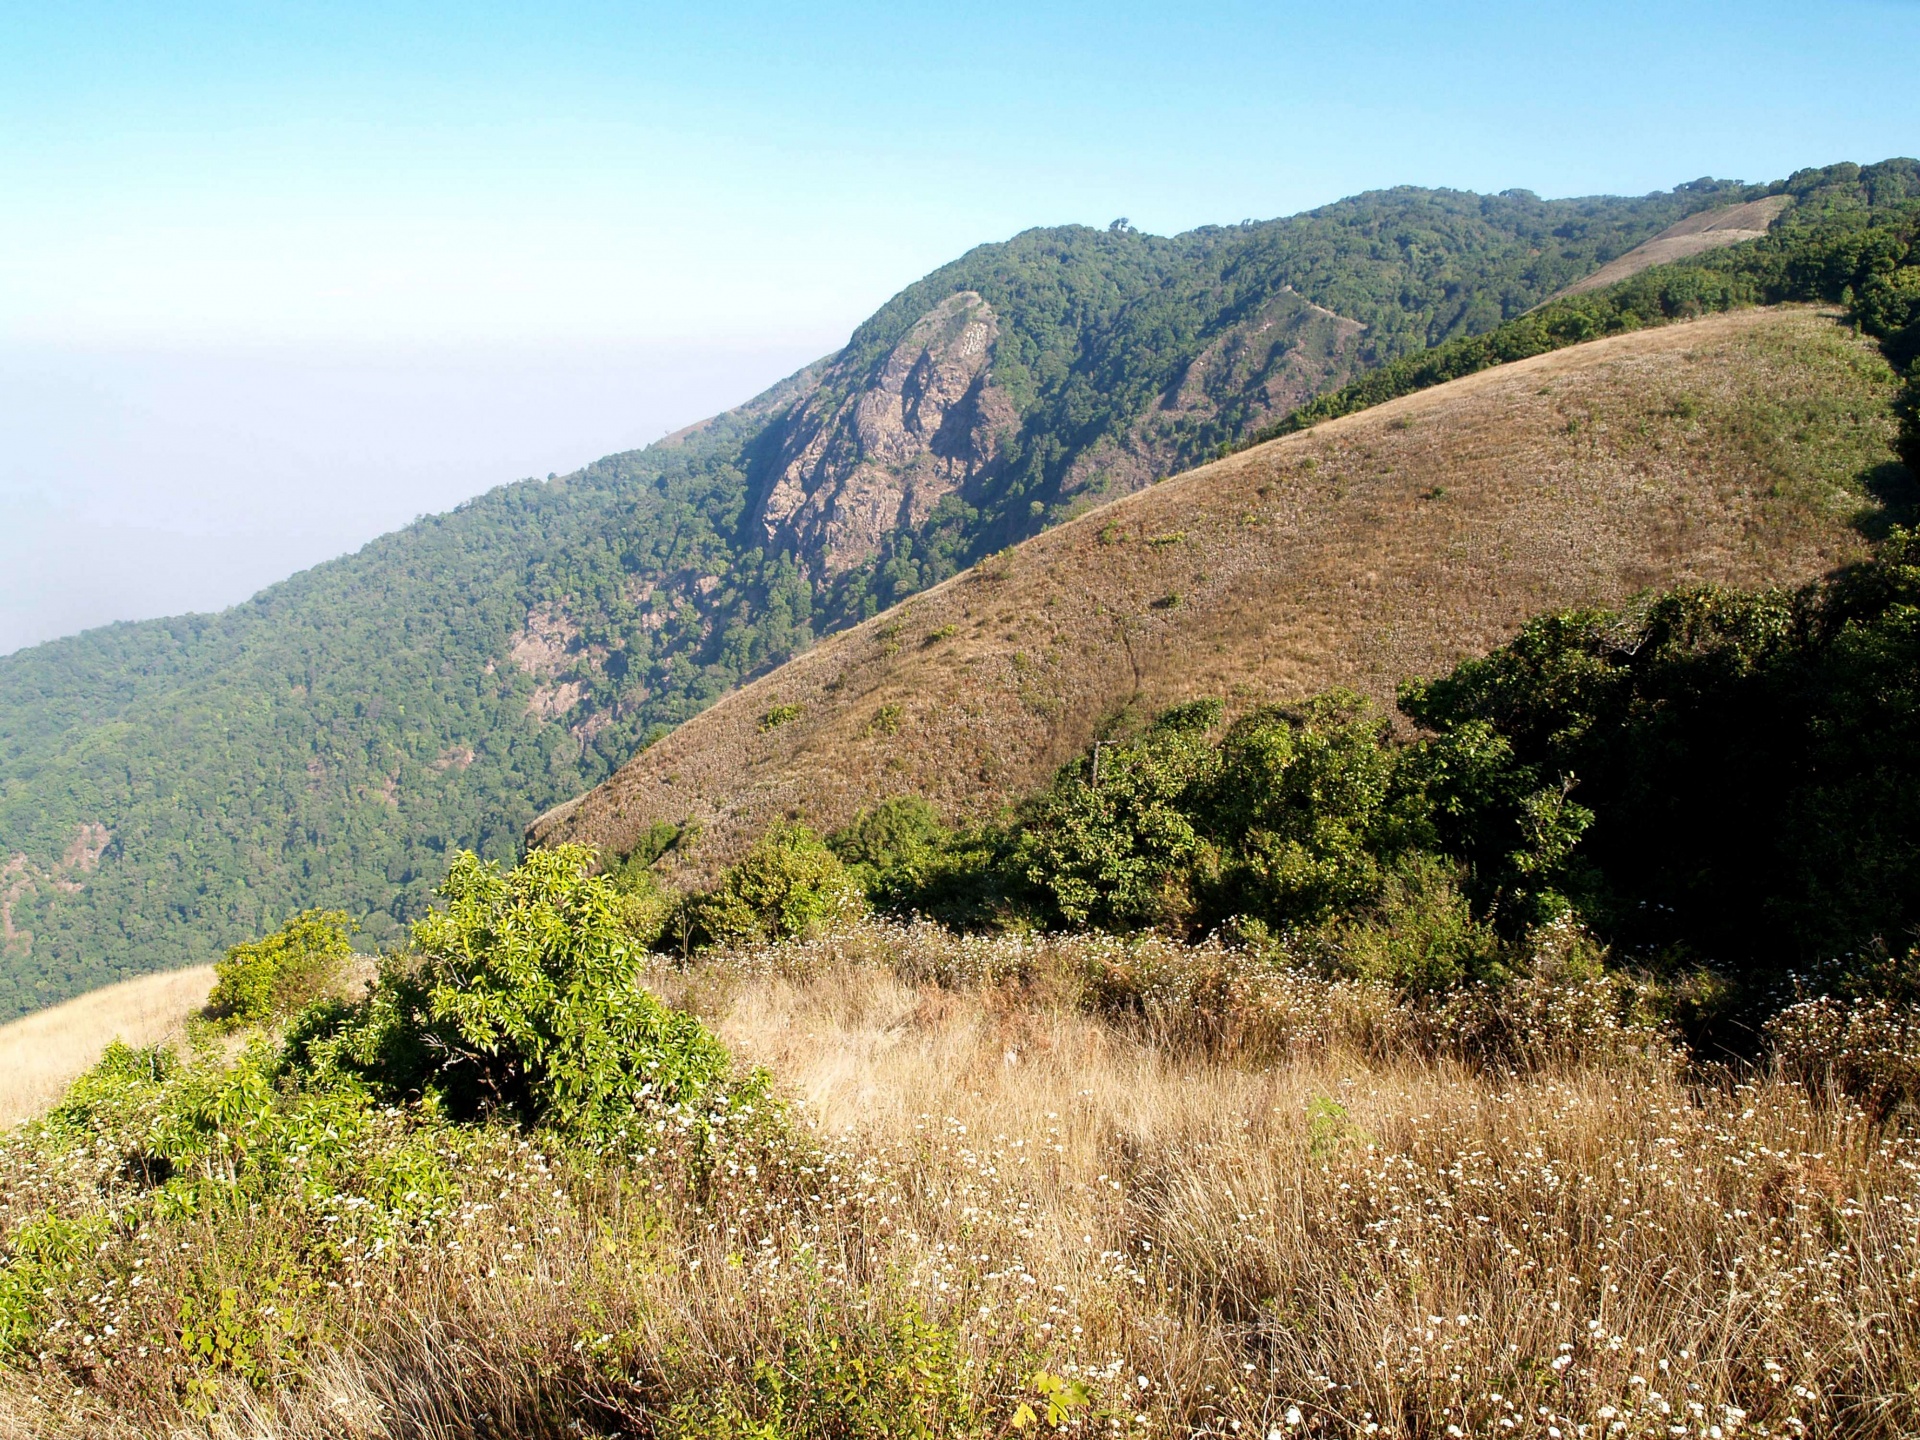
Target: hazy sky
[276, 277]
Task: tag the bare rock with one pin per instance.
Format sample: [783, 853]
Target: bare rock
[867, 455]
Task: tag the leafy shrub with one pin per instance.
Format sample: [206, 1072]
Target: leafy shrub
[277, 974]
[1749, 766]
[1420, 937]
[39, 1256]
[788, 886]
[1305, 808]
[892, 848]
[779, 715]
[1113, 842]
[523, 995]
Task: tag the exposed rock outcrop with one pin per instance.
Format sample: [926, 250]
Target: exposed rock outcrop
[871, 453]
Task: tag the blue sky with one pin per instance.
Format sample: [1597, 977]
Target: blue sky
[509, 236]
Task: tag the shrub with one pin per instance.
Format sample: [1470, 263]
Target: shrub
[1303, 803]
[523, 995]
[1747, 764]
[1420, 938]
[1113, 842]
[778, 715]
[788, 886]
[43, 1252]
[892, 848]
[277, 974]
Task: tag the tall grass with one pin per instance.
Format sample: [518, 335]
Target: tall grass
[1120, 1189]
[40, 1054]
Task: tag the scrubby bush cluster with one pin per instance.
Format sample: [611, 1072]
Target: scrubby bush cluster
[1723, 787]
[520, 996]
[516, 1009]
[278, 974]
[1717, 791]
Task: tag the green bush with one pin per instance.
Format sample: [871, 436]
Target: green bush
[1420, 936]
[275, 975]
[1724, 786]
[1305, 810]
[1117, 848]
[1749, 766]
[40, 1255]
[788, 886]
[523, 996]
[892, 848]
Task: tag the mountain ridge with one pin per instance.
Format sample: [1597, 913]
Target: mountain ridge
[333, 738]
[1364, 552]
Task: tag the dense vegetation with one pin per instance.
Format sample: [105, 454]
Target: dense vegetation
[1723, 787]
[170, 787]
[520, 1189]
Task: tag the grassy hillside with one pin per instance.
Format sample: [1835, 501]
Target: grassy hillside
[1696, 235]
[1042, 1185]
[1848, 238]
[169, 787]
[1750, 448]
[41, 1054]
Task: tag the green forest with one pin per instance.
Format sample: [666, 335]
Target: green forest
[170, 787]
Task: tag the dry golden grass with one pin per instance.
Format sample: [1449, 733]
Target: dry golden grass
[1005, 1165]
[1385, 545]
[40, 1054]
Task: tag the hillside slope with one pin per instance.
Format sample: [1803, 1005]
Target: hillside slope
[1738, 449]
[1696, 235]
[169, 787]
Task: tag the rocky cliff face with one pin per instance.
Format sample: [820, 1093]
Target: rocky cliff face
[867, 454]
[872, 450]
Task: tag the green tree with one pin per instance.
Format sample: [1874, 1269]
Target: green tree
[788, 886]
[523, 995]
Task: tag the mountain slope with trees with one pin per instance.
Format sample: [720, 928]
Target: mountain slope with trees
[1753, 448]
[168, 787]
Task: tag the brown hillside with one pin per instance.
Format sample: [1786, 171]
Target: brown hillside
[1695, 235]
[1381, 546]
[41, 1054]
